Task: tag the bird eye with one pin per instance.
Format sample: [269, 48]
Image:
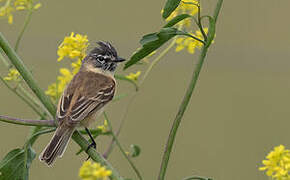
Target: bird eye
[101, 58]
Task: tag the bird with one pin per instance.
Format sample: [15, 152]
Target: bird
[84, 98]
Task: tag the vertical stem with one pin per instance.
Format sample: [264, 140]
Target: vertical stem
[186, 99]
[153, 63]
[31, 82]
[26, 22]
[121, 149]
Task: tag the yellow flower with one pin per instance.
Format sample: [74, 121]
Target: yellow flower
[104, 128]
[277, 163]
[76, 66]
[190, 43]
[134, 76]
[6, 11]
[73, 46]
[55, 90]
[94, 171]
[10, 6]
[185, 7]
[13, 75]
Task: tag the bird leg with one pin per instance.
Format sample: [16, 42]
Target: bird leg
[93, 144]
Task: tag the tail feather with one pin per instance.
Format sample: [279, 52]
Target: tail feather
[57, 144]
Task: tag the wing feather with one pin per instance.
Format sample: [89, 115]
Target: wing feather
[87, 92]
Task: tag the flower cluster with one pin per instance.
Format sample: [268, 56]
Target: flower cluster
[55, 90]
[94, 171]
[8, 7]
[13, 75]
[190, 43]
[185, 7]
[134, 76]
[73, 47]
[277, 163]
[104, 128]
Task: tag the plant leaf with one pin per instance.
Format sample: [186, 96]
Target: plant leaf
[15, 165]
[176, 20]
[150, 43]
[136, 150]
[169, 7]
[148, 38]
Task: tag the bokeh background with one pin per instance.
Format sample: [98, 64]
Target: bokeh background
[238, 112]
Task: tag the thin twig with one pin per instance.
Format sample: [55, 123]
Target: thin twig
[27, 122]
[26, 22]
[27, 76]
[187, 97]
[121, 149]
[153, 63]
[27, 101]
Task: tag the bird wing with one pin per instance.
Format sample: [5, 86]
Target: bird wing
[85, 94]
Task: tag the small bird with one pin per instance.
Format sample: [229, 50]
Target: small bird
[84, 98]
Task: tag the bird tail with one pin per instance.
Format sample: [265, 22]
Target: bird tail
[57, 144]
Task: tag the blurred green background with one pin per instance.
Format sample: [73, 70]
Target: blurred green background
[238, 112]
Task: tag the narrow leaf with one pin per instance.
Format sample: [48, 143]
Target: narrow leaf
[170, 6]
[176, 20]
[148, 38]
[151, 45]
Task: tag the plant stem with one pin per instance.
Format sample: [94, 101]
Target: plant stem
[26, 74]
[83, 143]
[3, 59]
[27, 122]
[153, 63]
[121, 149]
[24, 94]
[186, 99]
[22, 98]
[26, 22]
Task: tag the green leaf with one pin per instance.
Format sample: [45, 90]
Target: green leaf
[124, 78]
[176, 20]
[151, 42]
[170, 6]
[136, 150]
[149, 38]
[15, 165]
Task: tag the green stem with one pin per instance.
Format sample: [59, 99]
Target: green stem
[23, 94]
[121, 149]
[26, 22]
[186, 99]
[27, 101]
[34, 101]
[27, 122]
[26, 74]
[153, 63]
[83, 143]
[3, 59]
[158, 58]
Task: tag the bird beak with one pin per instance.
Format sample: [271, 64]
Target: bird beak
[120, 60]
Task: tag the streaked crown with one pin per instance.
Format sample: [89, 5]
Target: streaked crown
[104, 56]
